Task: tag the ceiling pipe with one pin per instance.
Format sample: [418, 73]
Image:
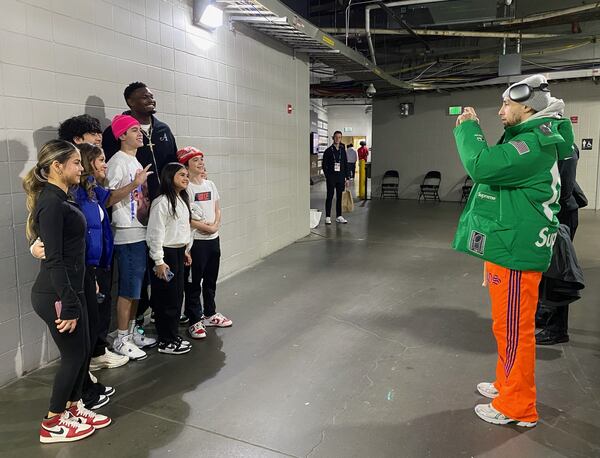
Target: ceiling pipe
[368, 10]
[446, 33]
[548, 15]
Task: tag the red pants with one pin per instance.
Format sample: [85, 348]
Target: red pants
[514, 297]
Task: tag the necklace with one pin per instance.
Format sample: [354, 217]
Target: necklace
[148, 135]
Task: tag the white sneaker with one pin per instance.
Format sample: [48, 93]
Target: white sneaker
[173, 348]
[487, 389]
[141, 340]
[217, 320]
[327, 220]
[197, 331]
[341, 220]
[125, 346]
[108, 360]
[88, 417]
[487, 413]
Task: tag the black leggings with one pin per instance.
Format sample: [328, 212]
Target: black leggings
[104, 278]
[167, 297]
[338, 188]
[206, 258]
[74, 351]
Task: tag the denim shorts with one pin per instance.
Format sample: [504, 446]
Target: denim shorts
[131, 259]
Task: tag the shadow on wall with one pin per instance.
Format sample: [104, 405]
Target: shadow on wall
[94, 106]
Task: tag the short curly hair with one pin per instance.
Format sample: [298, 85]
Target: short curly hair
[131, 88]
[77, 126]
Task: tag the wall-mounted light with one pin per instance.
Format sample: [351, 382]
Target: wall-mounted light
[207, 15]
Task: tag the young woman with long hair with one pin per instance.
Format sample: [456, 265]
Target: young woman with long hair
[169, 240]
[57, 295]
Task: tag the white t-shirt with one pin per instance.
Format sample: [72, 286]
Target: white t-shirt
[130, 215]
[203, 203]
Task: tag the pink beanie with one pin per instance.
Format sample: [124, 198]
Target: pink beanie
[120, 124]
[185, 154]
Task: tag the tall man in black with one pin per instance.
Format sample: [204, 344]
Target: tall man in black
[335, 168]
[159, 149]
[159, 143]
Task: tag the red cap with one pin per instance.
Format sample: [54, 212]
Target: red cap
[188, 152]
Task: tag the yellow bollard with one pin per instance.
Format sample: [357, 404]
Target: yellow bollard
[362, 173]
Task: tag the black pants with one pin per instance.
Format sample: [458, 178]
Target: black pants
[558, 321]
[167, 296]
[336, 186]
[90, 393]
[352, 168]
[104, 279]
[206, 259]
[74, 351]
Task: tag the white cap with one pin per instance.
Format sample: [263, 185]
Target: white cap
[538, 100]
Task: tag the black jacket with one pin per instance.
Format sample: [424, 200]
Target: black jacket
[165, 151]
[567, 169]
[330, 157]
[563, 280]
[62, 228]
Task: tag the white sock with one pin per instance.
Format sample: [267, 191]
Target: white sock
[122, 334]
[131, 326]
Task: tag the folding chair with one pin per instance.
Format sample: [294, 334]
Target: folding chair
[390, 183]
[430, 186]
[466, 189]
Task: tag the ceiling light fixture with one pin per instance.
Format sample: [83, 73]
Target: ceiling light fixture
[207, 15]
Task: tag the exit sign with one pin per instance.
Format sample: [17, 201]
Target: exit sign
[454, 111]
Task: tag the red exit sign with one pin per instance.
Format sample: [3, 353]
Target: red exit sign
[574, 119]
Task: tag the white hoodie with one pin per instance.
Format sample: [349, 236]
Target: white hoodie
[166, 230]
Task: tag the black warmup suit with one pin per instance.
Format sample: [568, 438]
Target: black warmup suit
[62, 228]
[335, 181]
[556, 319]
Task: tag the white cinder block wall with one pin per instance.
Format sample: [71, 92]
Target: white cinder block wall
[424, 140]
[224, 92]
[355, 116]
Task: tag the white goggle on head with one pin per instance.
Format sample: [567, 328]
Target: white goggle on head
[522, 92]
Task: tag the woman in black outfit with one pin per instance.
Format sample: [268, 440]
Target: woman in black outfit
[57, 294]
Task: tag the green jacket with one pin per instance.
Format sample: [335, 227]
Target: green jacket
[510, 217]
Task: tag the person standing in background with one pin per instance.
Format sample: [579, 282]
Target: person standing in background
[351, 157]
[335, 168]
[554, 322]
[363, 151]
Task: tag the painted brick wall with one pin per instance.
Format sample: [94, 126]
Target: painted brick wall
[224, 92]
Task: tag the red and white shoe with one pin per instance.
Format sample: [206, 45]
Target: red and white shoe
[218, 321]
[63, 428]
[197, 331]
[88, 417]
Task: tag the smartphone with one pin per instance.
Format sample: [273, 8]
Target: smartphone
[168, 274]
[58, 308]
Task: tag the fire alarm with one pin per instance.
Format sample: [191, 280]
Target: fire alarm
[290, 108]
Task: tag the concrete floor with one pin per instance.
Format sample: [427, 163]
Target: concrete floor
[364, 340]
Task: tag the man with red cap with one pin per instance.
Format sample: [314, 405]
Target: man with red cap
[129, 219]
[206, 251]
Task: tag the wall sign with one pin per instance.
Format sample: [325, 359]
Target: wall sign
[586, 143]
[347, 129]
[574, 119]
[290, 108]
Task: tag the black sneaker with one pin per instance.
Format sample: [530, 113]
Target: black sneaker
[548, 338]
[102, 401]
[183, 319]
[172, 348]
[184, 343]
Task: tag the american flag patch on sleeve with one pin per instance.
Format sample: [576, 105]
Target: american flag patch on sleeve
[520, 146]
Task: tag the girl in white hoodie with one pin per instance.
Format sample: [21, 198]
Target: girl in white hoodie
[169, 240]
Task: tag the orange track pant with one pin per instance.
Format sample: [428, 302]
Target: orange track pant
[514, 297]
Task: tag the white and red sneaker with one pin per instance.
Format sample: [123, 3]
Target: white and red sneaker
[218, 321]
[63, 428]
[197, 331]
[88, 417]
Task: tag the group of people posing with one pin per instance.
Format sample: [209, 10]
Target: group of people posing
[130, 194]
